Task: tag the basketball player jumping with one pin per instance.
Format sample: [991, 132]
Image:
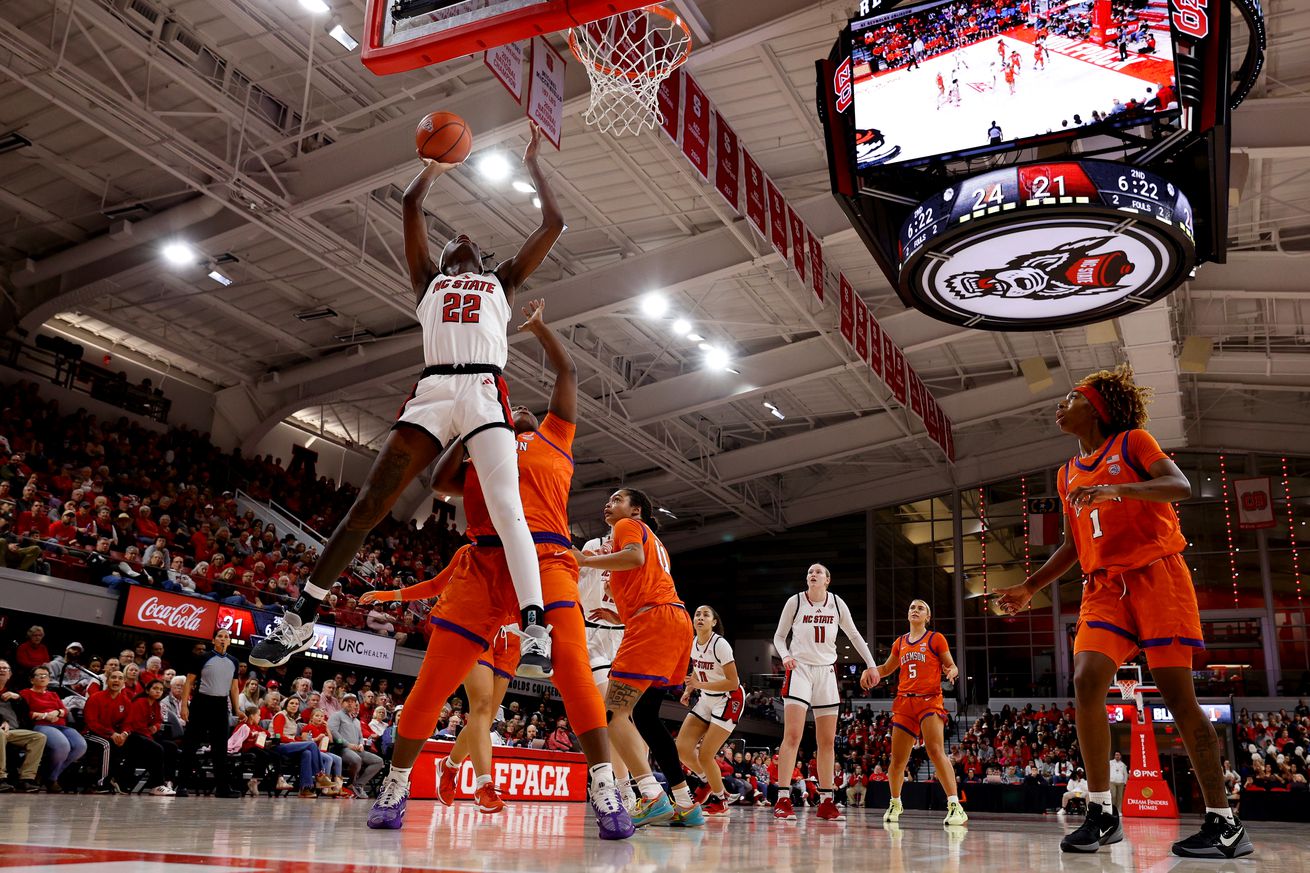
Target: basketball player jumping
[922, 656]
[653, 656]
[1121, 527]
[479, 599]
[464, 312]
[716, 713]
[812, 618]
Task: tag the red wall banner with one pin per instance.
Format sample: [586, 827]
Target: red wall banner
[846, 309]
[519, 774]
[816, 265]
[875, 345]
[777, 217]
[861, 329]
[893, 366]
[756, 209]
[696, 126]
[725, 161]
[1255, 507]
[162, 612]
[799, 260]
[669, 100]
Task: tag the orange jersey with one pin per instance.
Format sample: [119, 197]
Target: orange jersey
[545, 476]
[648, 585]
[1120, 534]
[921, 664]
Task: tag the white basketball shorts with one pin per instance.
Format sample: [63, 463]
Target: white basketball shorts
[450, 402]
[722, 711]
[602, 646]
[815, 687]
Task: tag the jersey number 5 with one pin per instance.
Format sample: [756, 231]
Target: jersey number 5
[461, 308]
[914, 674]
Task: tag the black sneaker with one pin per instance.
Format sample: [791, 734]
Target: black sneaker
[534, 652]
[287, 636]
[5, 787]
[1098, 829]
[29, 786]
[1218, 838]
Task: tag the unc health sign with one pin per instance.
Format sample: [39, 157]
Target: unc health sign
[163, 612]
[364, 650]
[519, 774]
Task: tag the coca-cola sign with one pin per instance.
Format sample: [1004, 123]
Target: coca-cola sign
[163, 612]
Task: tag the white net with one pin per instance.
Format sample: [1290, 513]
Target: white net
[627, 56]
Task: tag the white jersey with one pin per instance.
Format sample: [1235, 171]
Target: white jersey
[593, 585]
[465, 319]
[707, 662]
[813, 628]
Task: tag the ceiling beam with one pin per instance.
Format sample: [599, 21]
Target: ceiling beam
[1273, 127]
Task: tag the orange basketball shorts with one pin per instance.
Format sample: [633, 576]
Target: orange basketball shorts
[656, 648]
[1150, 609]
[908, 713]
[503, 656]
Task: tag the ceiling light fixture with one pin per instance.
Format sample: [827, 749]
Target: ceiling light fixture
[536, 201]
[220, 278]
[347, 41]
[716, 358]
[317, 7]
[666, 512]
[179, 254]
[695, 337]
[494, 167]
[682, 327]
[523, 187]
[654, 305]
[777, 413]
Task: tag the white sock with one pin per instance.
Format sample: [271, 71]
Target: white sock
[1224, 811]
[1103, 798]
[896, 797]
[495, 456]
[952, 798]
[480, 781]
[400, 774]
[649, 786]
[629, 795]
[602, 774]
[682, 795]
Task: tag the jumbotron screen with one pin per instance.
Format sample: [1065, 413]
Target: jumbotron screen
[957, 77]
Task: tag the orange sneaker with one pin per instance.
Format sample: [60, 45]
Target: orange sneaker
[828, 810]
[447, 776]
[488, 800]
[782, 809]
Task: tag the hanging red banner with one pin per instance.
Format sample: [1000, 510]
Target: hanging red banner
[696, 127]
[725, 161]
[916, 392]
[799, 260]
[756, 210]
[893, 363]
[670, 100]
[861, 329]
[777, 217]
[846, 309]
[875, 345]
[816, 265]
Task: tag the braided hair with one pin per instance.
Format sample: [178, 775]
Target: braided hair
[1125, 399]
[641, 500]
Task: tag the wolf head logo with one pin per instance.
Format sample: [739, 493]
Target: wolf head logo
[1060, 272]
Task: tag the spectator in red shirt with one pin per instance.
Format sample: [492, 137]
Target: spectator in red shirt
[560, 740]
[146, 527]
[33, 653]
[145, 743]
[63, 745]
[64, 531]
[106, 726]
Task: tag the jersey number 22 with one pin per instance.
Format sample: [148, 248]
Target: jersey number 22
[461, 308]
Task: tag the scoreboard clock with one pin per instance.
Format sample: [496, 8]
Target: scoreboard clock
[1046, 245]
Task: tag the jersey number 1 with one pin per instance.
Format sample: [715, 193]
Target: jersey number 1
[1095, 516]
[461, 308]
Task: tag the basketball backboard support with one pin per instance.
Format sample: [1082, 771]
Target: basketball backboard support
[403, 35]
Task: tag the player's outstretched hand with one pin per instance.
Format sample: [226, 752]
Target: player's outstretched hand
[952, 673]
[1015, 600]
[378, 597]
[534, 143]
[603, 614]
[533, 312]
[435, 168]
[869, 678]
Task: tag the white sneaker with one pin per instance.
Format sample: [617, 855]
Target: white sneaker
[955, 814]
[286, 637]
[162, 791]
[534, 652]
[894, 809]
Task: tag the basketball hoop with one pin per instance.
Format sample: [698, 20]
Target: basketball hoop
[1128, 689]
[627, 56]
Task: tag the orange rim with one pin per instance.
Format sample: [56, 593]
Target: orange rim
[661, 72]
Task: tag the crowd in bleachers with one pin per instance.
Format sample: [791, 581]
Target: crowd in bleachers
[84, 721]
[1271, 752]
[115, 504]
[906, 41]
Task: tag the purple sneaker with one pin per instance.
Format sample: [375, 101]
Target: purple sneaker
[389, 809]
[612, 819]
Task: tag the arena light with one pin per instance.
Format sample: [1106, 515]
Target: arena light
[494, 167]
[695, 337]
[179, 254]
[220, 278]
[654, 305]
[536, 201]
[317, 7]
[523, 187]
[774, 410]
[717, 359]
[348, 42]
[682, 327]
[666, 512]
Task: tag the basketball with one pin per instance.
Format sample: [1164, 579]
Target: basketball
[443, 137]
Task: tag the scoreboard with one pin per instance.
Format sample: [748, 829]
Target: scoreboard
[1040, 245]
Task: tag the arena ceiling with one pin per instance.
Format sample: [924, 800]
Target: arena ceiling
[242, 127]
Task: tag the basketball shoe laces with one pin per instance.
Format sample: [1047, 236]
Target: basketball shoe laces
[283, 632]
[606, 798]
[392, 793]
[534, 645]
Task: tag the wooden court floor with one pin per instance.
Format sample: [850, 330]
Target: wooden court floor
[153, 835]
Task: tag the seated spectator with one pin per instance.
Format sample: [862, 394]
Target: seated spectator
[178, 576]
[251, 695]
[133, 687]
[63, 745]
[171, 709]
[147, 742]
[561, 739]
[318, 732]
[13, 553]
[285, 731]
[379, 621]
[106, 727]
[32, 653]
[357, 761]
[32, 743]
[1077, 788]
